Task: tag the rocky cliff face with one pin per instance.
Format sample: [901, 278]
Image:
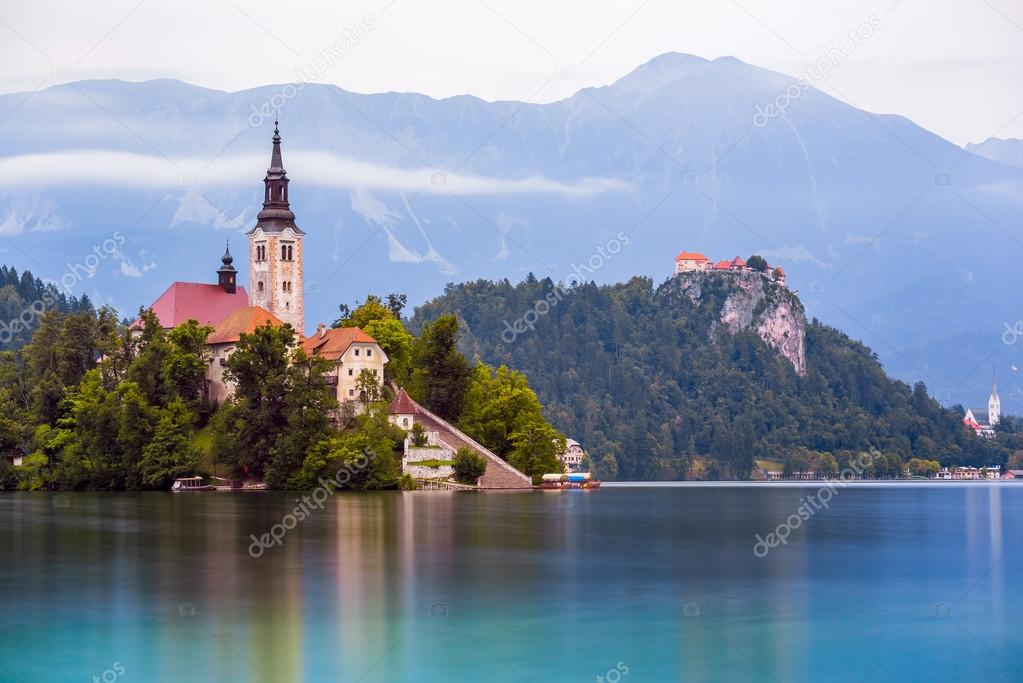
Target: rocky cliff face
[751, 301]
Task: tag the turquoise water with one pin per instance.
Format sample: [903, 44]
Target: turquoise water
[888, 583]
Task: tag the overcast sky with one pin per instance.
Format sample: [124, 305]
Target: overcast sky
[953, 66]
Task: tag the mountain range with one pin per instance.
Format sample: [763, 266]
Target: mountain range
[887, 231]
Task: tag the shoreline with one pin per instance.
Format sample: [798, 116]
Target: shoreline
[809, 483]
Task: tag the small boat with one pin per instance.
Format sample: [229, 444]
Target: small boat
[190, 484]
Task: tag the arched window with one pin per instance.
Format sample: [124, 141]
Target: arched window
[284, 252]
[259, 286]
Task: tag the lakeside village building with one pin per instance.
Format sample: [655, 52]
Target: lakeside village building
[982, 421]
[275, 297]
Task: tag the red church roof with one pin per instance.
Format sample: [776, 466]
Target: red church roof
[690, 256]
[208, 304]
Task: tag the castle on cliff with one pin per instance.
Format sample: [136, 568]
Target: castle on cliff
[691, 261]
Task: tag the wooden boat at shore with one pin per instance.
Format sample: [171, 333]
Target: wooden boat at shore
[182, 484]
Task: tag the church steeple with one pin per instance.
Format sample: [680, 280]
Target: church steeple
[227, 275]
[994, 404]
[275, 248]
[276, 214]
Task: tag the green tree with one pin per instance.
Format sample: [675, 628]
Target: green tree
[367, 384]
[418, 435]
[170, 453]
[468, 465]
[260, 371]
[308, 405]
[440, 373]
[757, 263]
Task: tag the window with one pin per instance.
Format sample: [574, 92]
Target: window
[259, 286]
[350, 372]
[404, 422]
[369, 352]
[287, 253]
[356, 352]
[351, 392]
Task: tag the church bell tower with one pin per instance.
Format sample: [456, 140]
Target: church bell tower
[275, 248]
[994, 404]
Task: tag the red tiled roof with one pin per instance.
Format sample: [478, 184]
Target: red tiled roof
[738, 262]
[722, 265]
[403, 405]
[690, 256]
[243, 321]
[207, 304]
[332, 343]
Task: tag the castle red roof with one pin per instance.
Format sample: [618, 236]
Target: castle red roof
[207, 304]
[690, 256]
[332, 343]
[243, 321]
[403, 405]
[738, 263]
[722, 265]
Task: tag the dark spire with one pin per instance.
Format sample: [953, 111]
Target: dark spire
[276, 214]
[227, 259]
[226, 274]
[276, 164]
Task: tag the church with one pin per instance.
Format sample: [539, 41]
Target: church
[275, 297]
[982, 421]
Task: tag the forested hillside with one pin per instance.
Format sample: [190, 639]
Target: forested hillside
[651, 380]
[23, 300]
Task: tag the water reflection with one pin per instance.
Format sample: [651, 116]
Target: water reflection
[545, 586]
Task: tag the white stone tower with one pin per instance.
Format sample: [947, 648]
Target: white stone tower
[275, 249]
[994, 404]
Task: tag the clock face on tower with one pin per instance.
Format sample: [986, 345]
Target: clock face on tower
[275, 248]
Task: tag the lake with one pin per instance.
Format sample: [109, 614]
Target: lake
[917, 582]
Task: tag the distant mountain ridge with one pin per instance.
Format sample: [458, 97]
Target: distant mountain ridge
[1006, 151]
[889, 232]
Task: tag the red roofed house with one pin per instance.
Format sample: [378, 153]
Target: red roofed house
[689, 260]
[222, 342]
[738, 264]
[353, 352]
[723, 265]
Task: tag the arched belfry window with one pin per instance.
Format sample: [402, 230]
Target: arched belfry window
[259, 286]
